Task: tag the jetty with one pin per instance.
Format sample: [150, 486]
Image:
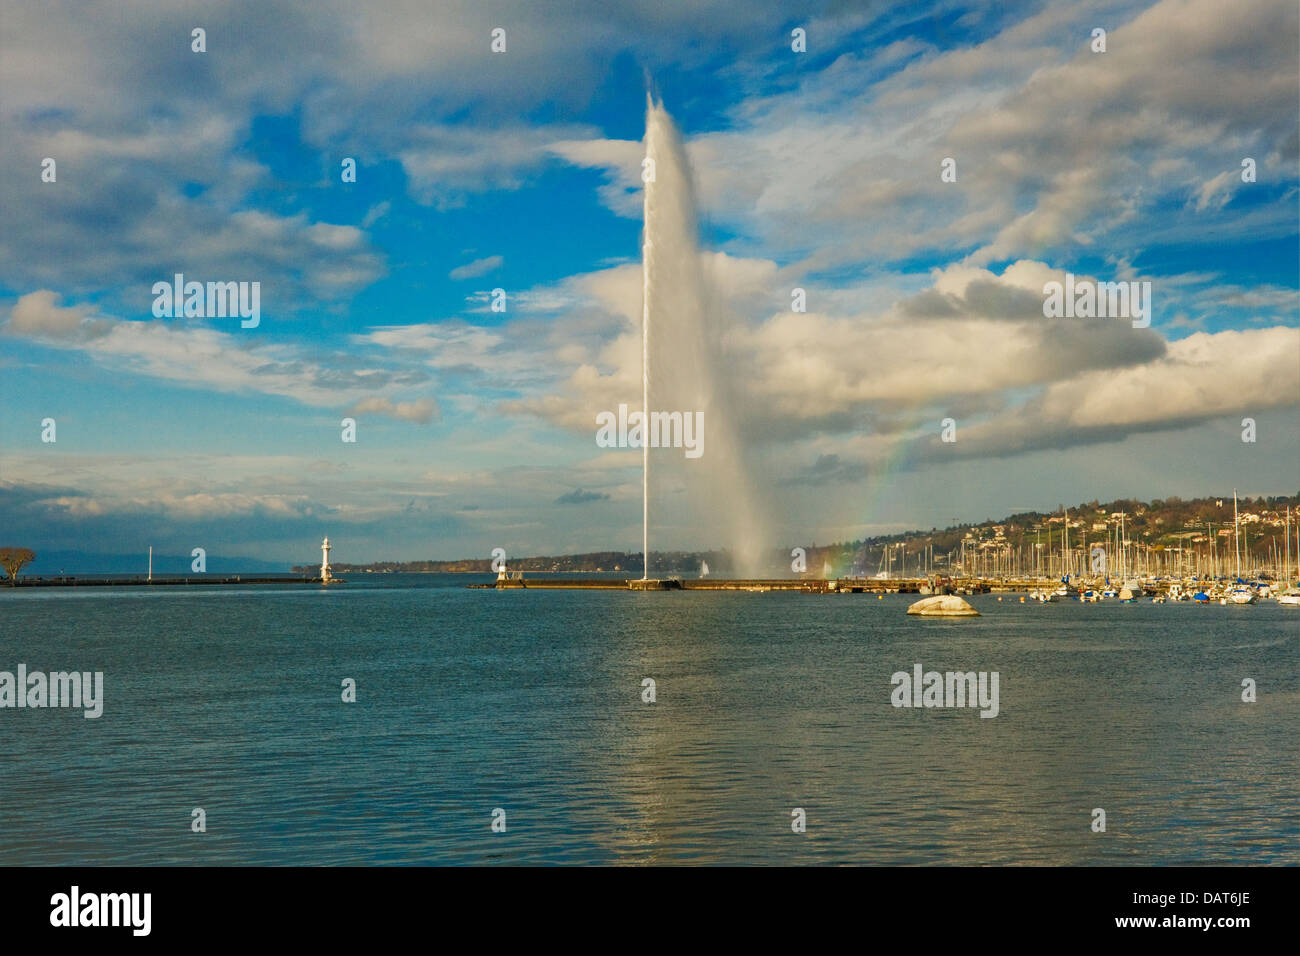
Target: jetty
[1041, 588]
[140, 581]
[199, 579]
[807, 585]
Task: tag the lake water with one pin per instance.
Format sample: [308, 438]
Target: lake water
[229, 699]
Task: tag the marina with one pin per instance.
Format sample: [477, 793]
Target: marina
[1159, 590]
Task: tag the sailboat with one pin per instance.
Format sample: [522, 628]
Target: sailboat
[1241, 592]
[1291, 596]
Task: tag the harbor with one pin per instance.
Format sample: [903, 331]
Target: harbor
[1043, 590]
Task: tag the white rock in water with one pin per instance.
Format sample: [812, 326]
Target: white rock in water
[944, 605]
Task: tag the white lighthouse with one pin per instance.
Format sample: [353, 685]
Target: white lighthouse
[325, 561]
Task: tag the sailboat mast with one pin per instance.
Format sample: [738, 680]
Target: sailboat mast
[1123, 547]
[1236, 539]
[1065, 543]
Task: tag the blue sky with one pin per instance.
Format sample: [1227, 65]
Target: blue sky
[520, 170]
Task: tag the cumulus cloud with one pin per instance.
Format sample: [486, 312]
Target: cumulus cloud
[1200, 378]
[37, 315]
[815, 372]
[847, 389]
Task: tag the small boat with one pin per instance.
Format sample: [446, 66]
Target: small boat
[1290, 597]
[1241, 594]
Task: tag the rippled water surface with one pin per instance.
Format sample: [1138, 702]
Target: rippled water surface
[229, 699]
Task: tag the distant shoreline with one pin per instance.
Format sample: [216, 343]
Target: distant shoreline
[1196, 526]
[74, 580]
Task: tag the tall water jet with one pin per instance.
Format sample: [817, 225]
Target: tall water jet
[645, 364]
[683, 369]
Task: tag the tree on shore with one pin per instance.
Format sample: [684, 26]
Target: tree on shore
[13, 559]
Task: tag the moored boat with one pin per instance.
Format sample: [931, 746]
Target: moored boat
[1241, 594]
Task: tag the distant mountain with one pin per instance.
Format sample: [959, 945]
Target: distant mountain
[81, 562]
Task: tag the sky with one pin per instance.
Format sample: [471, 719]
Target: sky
[521, 170]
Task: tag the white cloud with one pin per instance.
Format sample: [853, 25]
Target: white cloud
[870, 376]
[1056, 147]
[479, 267]
[1215, 192]
[37, 315]
[196, 355]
